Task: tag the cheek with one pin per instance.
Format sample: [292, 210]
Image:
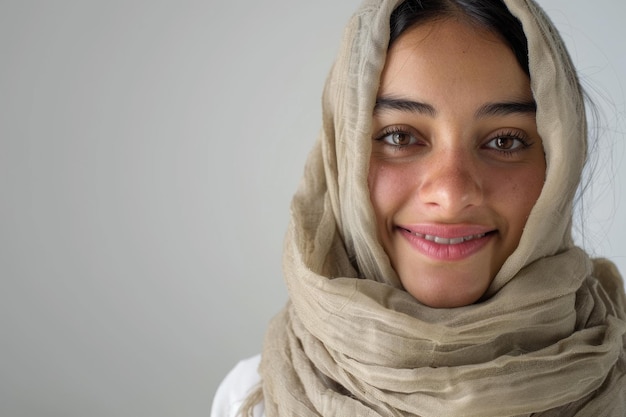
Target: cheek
[388, 188]
[517, 196]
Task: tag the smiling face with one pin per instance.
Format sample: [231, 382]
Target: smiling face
[457, 163]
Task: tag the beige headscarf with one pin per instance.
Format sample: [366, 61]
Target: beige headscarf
[547, 340]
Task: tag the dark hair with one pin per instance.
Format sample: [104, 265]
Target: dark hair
[489, 14]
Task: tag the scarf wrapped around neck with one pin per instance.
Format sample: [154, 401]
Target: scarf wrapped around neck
[548, 337]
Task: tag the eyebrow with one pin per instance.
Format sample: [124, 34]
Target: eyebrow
[391, 103]
[490, 109]
[506, 108]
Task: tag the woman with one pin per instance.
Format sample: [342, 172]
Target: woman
[429, 258]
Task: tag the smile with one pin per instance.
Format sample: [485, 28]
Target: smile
[448, 243]
[445, 241]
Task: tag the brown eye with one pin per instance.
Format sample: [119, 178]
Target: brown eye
[398, 138]
[504, 143]
[401, 139]
[507, 143]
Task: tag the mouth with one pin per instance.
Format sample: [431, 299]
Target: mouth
[448, 242]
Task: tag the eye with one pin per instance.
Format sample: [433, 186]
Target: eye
[507, 142]
[397, 137]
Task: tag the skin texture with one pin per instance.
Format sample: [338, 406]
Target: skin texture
[455, 154]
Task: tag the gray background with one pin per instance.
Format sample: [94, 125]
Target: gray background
[148, 154]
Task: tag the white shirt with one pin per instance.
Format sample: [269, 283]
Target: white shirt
[234, 389]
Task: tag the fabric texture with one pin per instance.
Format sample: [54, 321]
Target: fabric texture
[235, 388]
[548, 338]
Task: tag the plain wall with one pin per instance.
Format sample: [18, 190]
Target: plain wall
[148, 154]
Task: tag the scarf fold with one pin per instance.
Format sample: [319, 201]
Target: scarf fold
[549, 337]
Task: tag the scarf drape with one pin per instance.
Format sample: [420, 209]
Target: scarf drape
[548, 338]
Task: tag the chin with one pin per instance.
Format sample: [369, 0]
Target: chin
[444, 292]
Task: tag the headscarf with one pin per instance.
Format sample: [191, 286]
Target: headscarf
[548, 339]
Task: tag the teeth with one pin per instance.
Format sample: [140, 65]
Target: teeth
[446, 241]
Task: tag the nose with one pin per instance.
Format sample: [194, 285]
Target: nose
[451, 182]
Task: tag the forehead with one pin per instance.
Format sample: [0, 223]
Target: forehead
[448, 58]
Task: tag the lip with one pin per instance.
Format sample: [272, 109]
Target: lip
[447, 242]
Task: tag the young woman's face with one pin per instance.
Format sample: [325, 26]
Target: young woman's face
[457, 163]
